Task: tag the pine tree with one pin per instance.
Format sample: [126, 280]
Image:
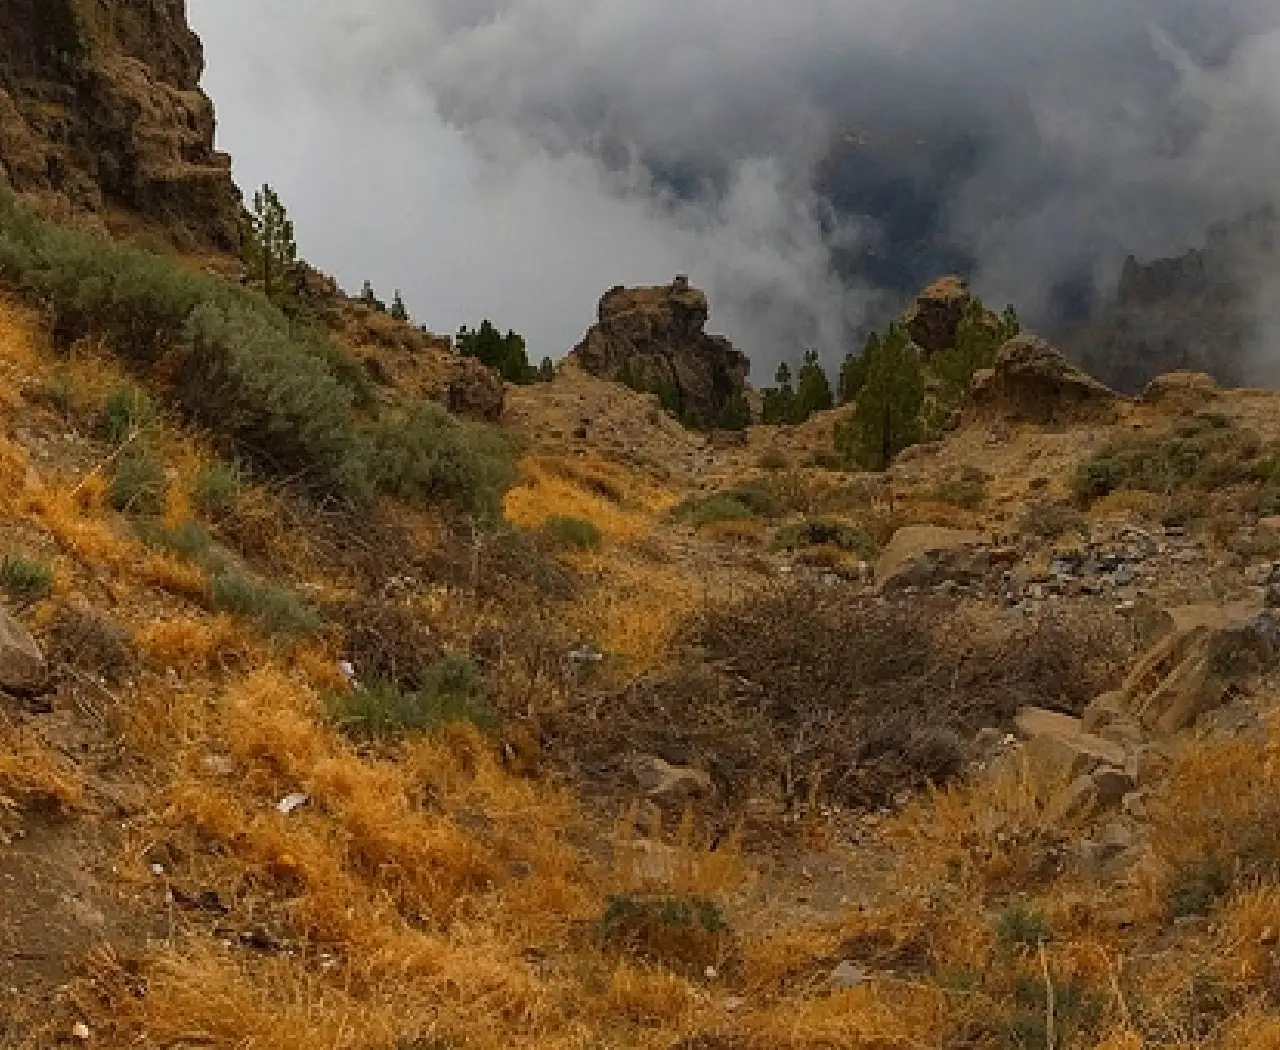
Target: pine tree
[853, 370]
[505, 354]
[779, 402]
[887, 417]
[268, 243]
[398, 311]
[370, 298]
[547, 370]
[813, 391]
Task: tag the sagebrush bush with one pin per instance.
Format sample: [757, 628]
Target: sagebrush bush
[431, 457]
[278, 393]
[685, 934]
[573, 533]
[1201, 455]
[25, 580]
[278, 610]
[966, 490]
[451, 690]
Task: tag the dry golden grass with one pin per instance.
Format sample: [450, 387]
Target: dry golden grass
[621, 503]
[33, 777]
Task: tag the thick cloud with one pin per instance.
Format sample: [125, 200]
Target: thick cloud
[514, 158]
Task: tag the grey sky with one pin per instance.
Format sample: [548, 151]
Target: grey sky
[486, 155]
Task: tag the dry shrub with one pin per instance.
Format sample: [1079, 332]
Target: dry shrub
[194, 645]
[93, 642]
[684, 934]
[800, 692]
[388, 639]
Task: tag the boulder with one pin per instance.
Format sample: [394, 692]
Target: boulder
[1032, 382]
[476, 391]
[934, 318]
[22, 665]
[652, 339]
[922, 555]
[1181, 391]
[1191, 670]
[664, 782]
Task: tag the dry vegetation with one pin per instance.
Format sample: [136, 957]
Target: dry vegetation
[457, 881]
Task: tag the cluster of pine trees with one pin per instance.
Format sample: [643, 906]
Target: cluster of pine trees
[899, 398]
[506, 354]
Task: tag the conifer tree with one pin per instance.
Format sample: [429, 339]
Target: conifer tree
[370, 298]
[268, 244]
[779, 402]
[887, 417]
[398, 311]
[813, 390]
[853, 370]
[547, 370]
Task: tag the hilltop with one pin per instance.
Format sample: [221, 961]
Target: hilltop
[352, 696]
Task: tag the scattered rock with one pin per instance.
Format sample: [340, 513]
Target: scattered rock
[922, 555]
[1181, 391]
[1190, 671]
[292, 802]
[22, 665]
[662, 781]
[847, 975]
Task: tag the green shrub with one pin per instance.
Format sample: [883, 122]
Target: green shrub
[189, 540]
[451, 690]
[432, 457]
[128, 410]
[822, 533]
[139, 484]
[244, 375]
[25, 580]
[573, 533]
[748, 500]
[217, 489]
[278, 610]
[1018, 926]
[1052, 521]
[1203, 454]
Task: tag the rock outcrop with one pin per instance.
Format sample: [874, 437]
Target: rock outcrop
[933, 320]
[22, 665]
[652, 339]
[101, 109]
[1033, 383]
[476, 391]
[1194, 312]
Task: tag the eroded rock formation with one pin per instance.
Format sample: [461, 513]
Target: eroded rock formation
[101, 109]
[652, 339]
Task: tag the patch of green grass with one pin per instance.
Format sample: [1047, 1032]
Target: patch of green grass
[819, 532]
[25, 580]
[189, 540]
[1018, 926]
[128, 410]
[451, 690]
[278, 610]
[139, 484]
[735, 504]
[573, 533]
[217, 489]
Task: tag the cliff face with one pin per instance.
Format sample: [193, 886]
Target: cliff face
[101, 107]
[652, 339]
[1196, 312]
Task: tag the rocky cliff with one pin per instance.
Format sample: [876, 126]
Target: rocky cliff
[101, 109]
[1194, 312]
[652, 339]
